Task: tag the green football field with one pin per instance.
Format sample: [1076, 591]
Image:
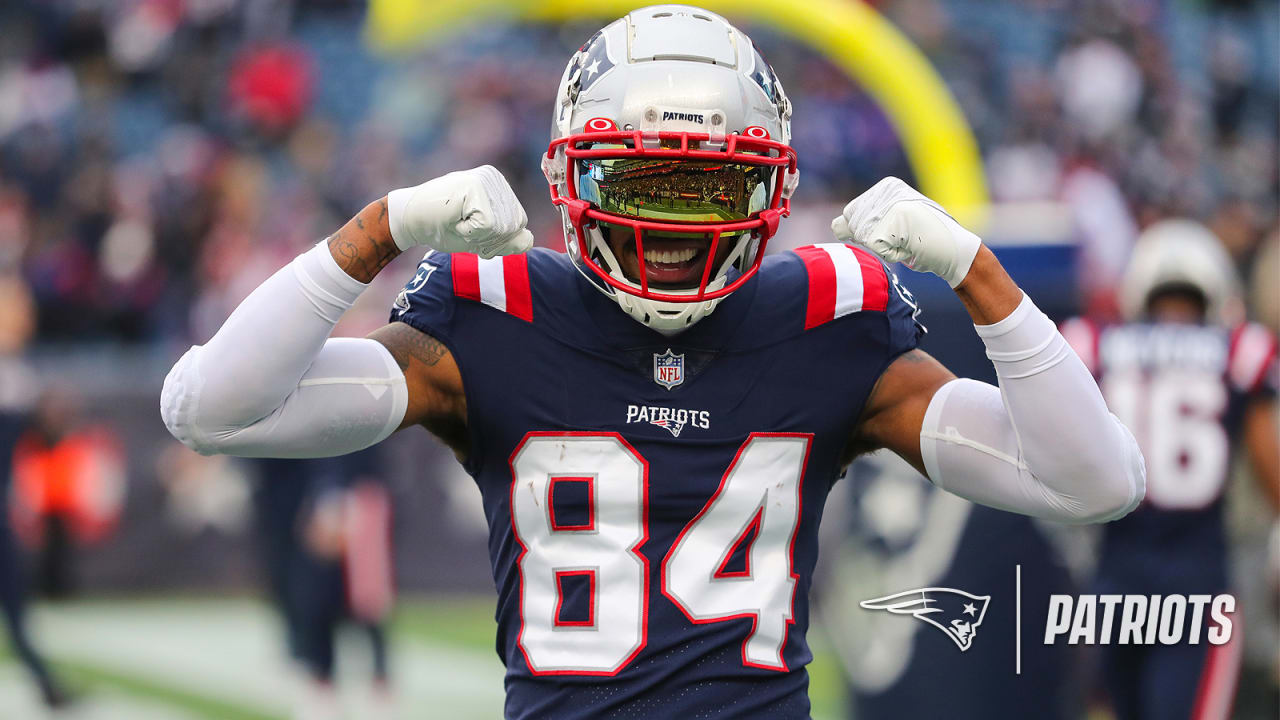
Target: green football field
[223, 659]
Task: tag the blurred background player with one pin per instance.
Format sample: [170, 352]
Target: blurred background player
[68, 488]
[326, 527]
[1190, 379]
[18, 391]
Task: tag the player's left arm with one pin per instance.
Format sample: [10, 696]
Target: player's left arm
[1043, 443]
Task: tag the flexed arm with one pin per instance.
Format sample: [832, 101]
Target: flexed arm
[1041, 444]
[271, 383]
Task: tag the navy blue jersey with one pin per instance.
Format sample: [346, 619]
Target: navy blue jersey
[653, 503]
[1181, 389]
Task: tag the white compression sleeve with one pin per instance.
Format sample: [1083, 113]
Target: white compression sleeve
[1044, 443]
[270, 383]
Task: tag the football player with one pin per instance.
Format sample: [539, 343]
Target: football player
[1187, 379]
[654, 418]
[17, 408]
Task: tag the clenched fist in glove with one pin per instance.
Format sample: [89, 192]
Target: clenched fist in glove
[465, 211]
[899, 224]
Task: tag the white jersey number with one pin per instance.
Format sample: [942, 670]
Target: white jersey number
[760, 494]
[1177, 419]
[605, 550]
[761, 491]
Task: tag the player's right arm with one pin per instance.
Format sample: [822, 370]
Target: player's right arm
[271, 383]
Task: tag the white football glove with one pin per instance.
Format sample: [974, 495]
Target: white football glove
[465, 211]
[899, 224]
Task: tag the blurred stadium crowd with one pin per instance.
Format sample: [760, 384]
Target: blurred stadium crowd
[158, 158]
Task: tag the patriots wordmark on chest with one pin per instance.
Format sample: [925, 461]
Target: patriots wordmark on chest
[668, 369]
[673, 420]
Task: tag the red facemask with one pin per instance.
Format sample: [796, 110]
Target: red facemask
[766, 161]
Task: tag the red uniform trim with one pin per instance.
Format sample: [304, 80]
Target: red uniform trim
[875, 280]
[466, 276]
[821, 305]
[515, 277]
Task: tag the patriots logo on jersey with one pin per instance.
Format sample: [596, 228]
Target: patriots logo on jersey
[668, 369]
[954, 612]
[675, 426]
[420, 278]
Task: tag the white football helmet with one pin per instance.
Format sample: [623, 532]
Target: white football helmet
[1184, 253]
[670, 130]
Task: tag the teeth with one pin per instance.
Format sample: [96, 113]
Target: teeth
[670, 257]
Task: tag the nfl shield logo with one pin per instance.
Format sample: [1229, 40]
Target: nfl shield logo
[668, 369]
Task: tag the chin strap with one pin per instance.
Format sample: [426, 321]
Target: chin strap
[790, 181]
[553, 167]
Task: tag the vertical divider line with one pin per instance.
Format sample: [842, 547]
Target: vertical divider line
[1017, 631]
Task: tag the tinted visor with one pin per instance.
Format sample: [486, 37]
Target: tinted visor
[675, 190]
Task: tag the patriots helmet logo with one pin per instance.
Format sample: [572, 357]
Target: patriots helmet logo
[954, 612]
[668, 369]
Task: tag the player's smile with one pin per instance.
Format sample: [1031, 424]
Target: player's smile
[669, 262]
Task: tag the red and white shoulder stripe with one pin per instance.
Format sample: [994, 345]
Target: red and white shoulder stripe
[1082, 336]
[843, 279]
[1253, 350]
[501, 282]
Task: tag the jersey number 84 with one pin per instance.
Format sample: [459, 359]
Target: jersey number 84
[760, 491]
